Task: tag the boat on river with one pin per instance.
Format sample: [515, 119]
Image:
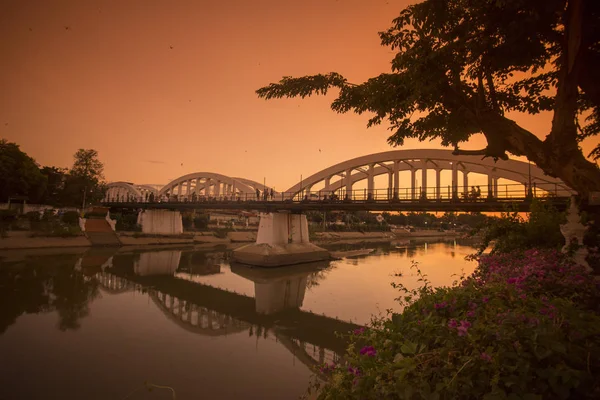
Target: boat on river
[350, 253]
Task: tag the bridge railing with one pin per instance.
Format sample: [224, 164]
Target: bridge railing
[442, 193]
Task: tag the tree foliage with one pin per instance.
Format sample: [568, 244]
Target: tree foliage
[461, 65]
[85, 180]
[19, 174]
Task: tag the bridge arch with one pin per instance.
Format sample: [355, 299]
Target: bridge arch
[340, 178]
[196, 319]
[255, 185]
[208, 184]
[122, 191]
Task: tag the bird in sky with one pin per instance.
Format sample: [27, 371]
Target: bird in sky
[171, 47]
[67, 27]
[319, 150]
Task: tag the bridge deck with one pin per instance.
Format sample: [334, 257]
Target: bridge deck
[489, 205]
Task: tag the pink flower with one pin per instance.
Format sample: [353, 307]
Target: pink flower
[359, 331]
[485, 357]
[452, 324]
[368, 351]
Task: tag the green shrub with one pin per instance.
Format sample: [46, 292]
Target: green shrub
[187, 221]
[512, 233]
[126, 222]
[511, 331]
[221, 233]
[201, 221]
[70, 218]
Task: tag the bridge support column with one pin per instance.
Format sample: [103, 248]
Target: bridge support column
[424, 181]
[390, 185]
[282, 239]
[495, 180]
[490, 187]
[438, 194]
[396, 179]
[272, 297]
[164, 222]
[188, 193]
[466, 183]
[349, 194]
[327, 188]
[197, 189]
[413, 183]
[217, 188]
[454, 180]
[370, 181]
[207, 184]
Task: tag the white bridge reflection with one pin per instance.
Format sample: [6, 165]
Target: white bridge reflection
[205, 310]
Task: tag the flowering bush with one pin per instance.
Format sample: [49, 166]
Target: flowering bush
[519, 328]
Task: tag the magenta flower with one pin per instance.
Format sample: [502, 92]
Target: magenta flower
[441, 305]
[359, 331]
[354, 371]
[463, 328]
[485, 299]
[471, 314]
[452, 324]
[368, 351]
[486, 357]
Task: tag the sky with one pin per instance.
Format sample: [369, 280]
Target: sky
[166, 88]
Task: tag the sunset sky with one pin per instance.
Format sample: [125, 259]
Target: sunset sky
[166, 88]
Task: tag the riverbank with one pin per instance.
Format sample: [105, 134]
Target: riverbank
[25, 240]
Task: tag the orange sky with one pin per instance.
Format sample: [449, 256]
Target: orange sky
[102, 74]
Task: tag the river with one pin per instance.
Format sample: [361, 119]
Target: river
[102, 323]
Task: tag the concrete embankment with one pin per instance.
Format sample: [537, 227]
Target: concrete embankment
[25, 240]
[425, 234]
[352, 237]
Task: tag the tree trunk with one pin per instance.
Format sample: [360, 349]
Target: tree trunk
[568, 165]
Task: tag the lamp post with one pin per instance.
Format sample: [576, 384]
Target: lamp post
[83, 202]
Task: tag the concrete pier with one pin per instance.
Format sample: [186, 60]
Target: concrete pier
[282, 240]
[163, 222]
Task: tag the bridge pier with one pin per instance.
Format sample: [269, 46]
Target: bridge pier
[163, 222]
[282, 239]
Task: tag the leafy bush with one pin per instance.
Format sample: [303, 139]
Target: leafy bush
[511, 331]
[71, 218]
[512, 233]
[126, 222]
[201, 221]
[56, 229]
[187, 221]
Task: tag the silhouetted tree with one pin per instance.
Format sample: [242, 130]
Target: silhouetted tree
[19, 174]
[462, 65]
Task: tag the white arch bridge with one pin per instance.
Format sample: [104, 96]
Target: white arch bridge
[408, 176]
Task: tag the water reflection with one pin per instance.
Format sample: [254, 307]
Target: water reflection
[168, 303]
[27, 288]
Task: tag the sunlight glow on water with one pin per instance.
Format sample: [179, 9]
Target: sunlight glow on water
[97, 325]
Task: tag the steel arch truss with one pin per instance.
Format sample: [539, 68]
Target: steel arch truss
[341, 177]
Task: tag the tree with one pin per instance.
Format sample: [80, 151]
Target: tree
[55, 178]
[85, 180]
[461, 65]
[19, 174]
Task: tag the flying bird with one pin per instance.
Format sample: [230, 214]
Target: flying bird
[67, 28]
[171, 47]
[319, 150]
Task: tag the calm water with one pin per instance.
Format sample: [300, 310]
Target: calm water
[97, 324]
